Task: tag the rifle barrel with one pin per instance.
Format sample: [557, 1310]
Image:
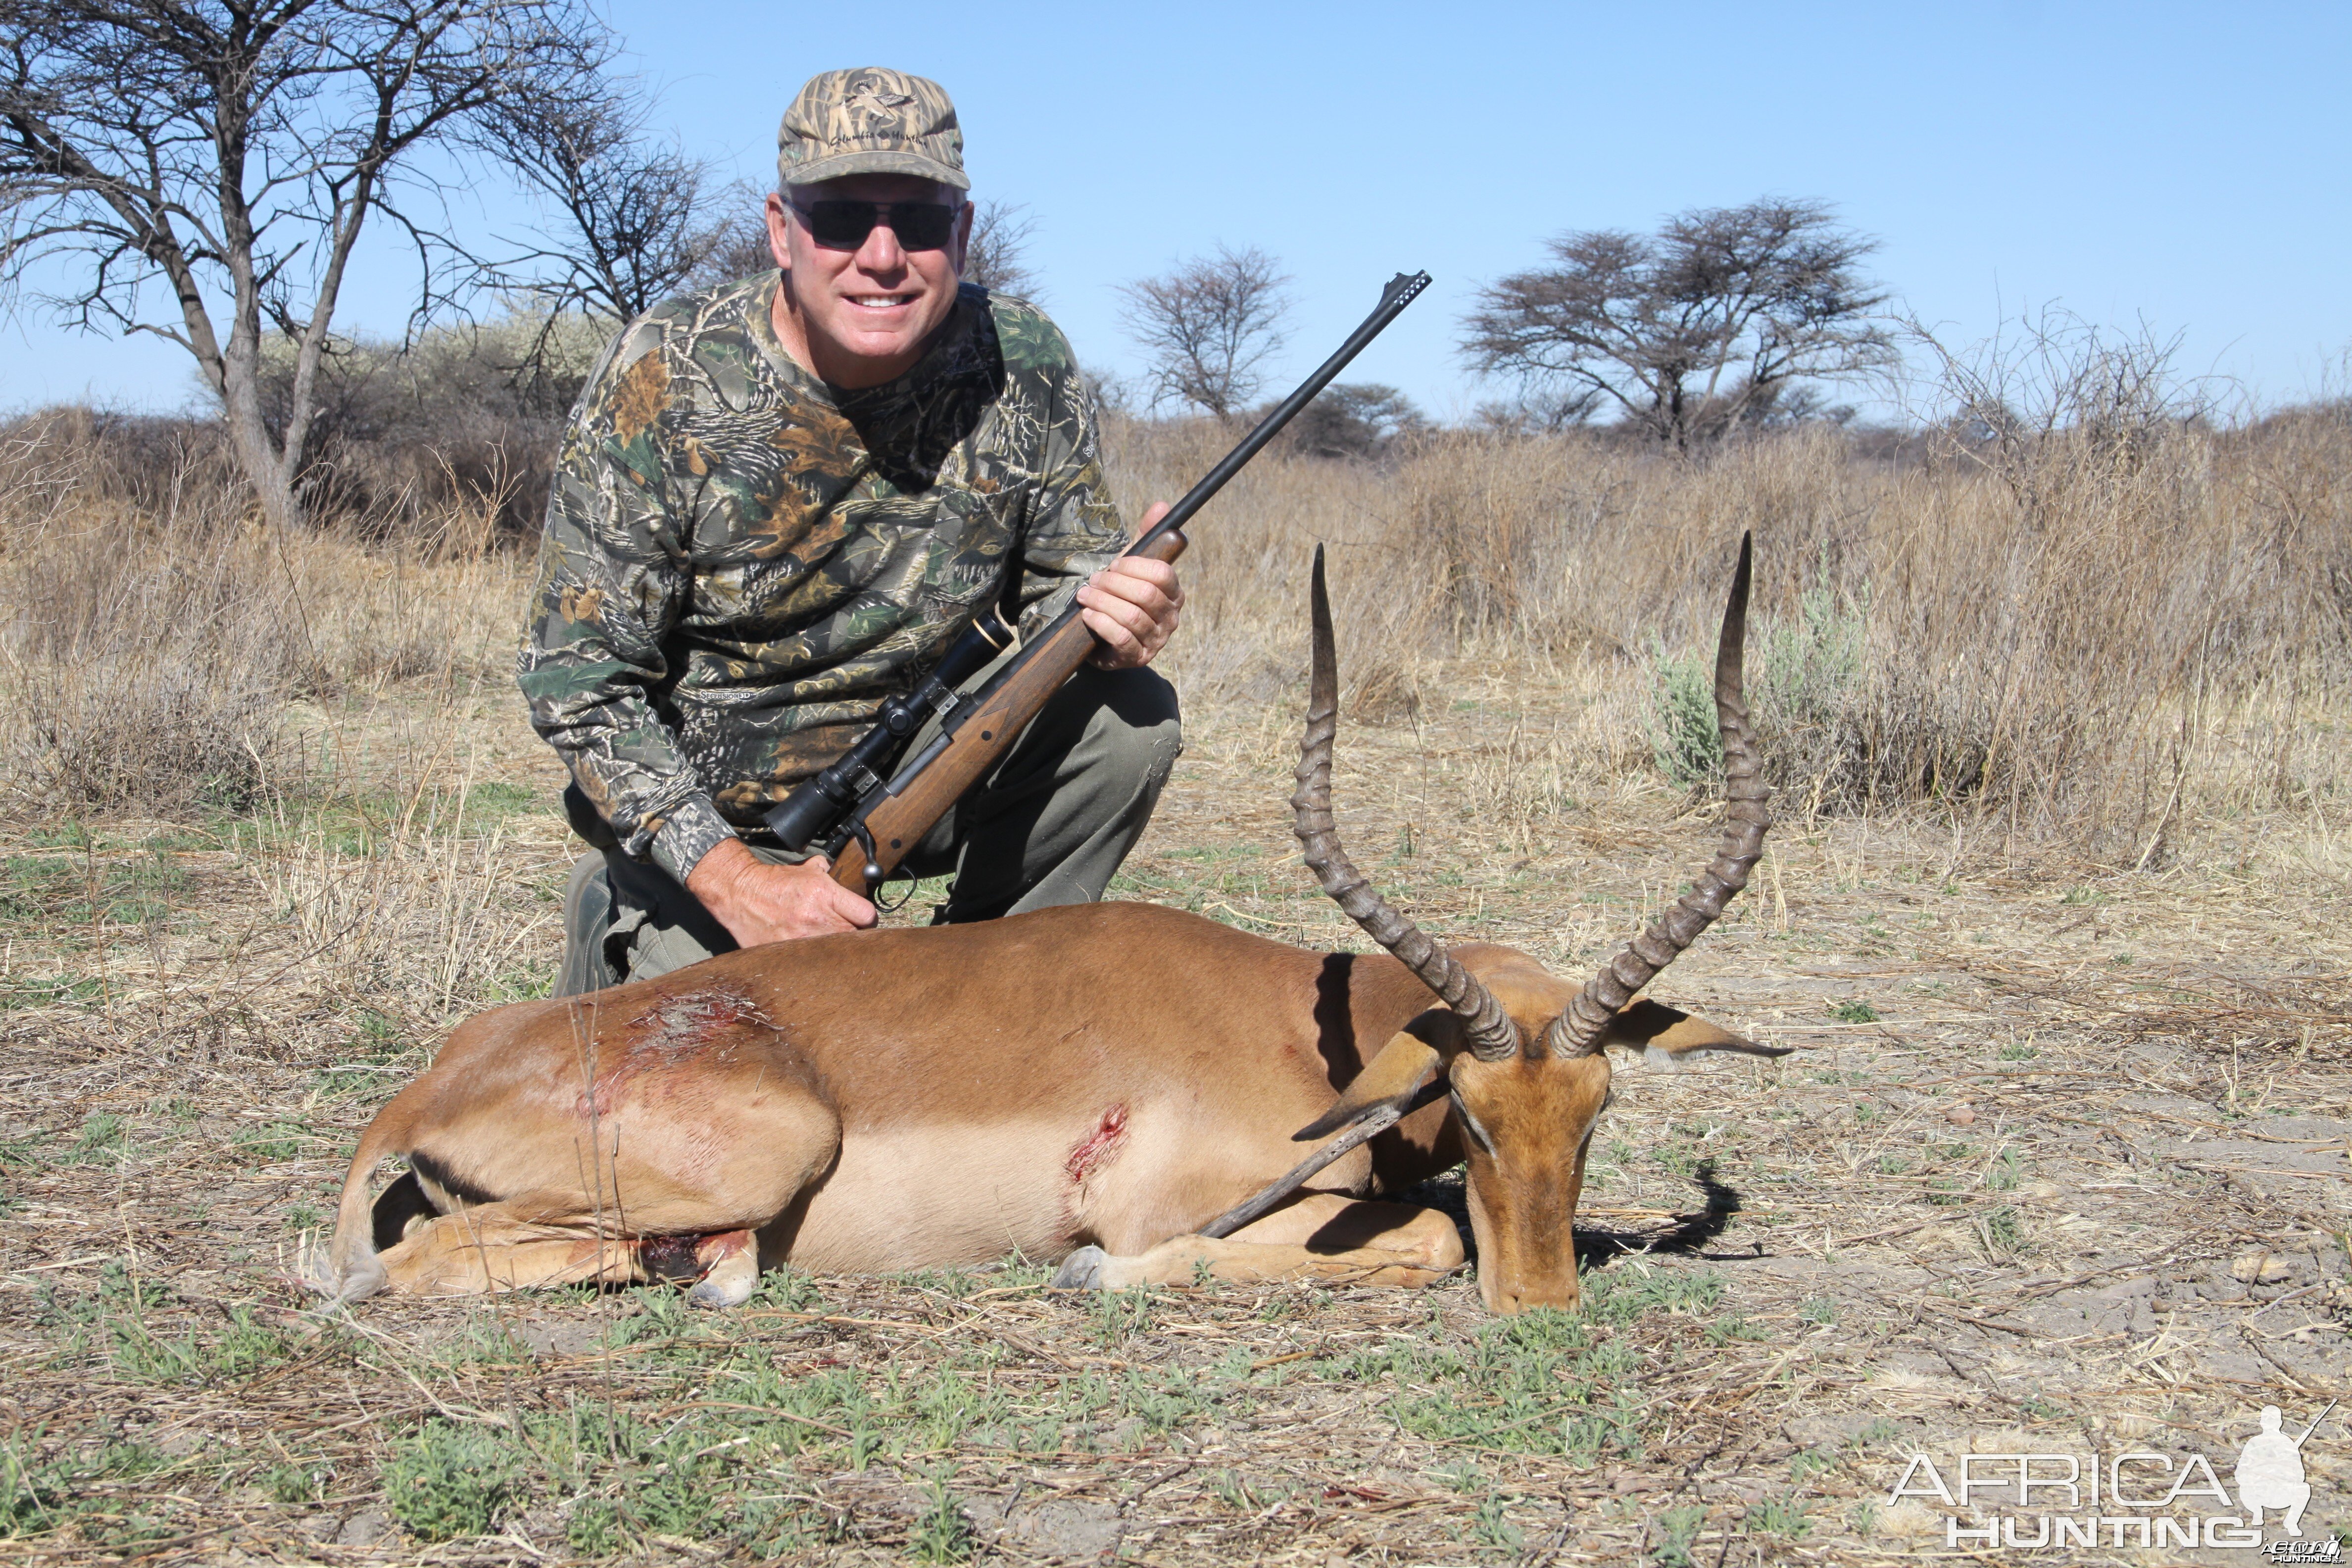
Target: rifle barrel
[1401, 291]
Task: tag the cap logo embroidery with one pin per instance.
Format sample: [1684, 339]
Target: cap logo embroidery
[872, 112]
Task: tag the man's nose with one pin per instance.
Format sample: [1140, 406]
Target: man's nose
[881, 252]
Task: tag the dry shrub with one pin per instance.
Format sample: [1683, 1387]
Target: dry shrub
[466, 418]
[147, 656]
[406, 438]
[152, 652]
[2087, 633]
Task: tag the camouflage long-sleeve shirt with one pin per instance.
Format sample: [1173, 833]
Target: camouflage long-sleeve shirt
[741, 561]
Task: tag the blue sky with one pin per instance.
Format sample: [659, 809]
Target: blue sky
[2184, 166]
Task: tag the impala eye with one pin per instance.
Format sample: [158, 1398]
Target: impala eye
[1478, 1133]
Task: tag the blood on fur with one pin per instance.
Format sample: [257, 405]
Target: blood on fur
[1096, 1151]
[670, 1032]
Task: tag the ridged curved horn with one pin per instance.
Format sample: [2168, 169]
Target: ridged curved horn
[1493, 1036]
[1577, 1032]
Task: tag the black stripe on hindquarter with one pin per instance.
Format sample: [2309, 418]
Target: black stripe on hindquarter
[439, 1180]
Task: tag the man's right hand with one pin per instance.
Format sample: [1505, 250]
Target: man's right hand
[760, 903]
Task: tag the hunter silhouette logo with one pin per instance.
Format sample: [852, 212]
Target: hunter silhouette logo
[2270, 1470]
[2138, 1498]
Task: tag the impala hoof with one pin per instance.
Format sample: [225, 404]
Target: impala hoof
[730, 1282]
[1081, 1271]
[720, 1293]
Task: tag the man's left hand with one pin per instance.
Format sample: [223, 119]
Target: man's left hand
[1132, 606]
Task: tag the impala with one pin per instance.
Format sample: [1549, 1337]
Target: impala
[1091, 1083]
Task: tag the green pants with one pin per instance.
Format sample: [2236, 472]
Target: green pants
[1049, 825]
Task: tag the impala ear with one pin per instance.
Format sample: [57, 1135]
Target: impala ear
[1671, 1038]
[1405, 1066]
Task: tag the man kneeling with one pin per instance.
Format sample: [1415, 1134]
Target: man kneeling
[780, 500]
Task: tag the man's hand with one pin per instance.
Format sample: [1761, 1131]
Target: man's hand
[760, 903]
[1132, 606]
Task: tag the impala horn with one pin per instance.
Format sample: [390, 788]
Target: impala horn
[1493, 1036]
[1577, 1032]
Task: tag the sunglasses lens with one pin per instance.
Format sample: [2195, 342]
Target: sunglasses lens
[923, 226]
[840, 226]
[844, 226]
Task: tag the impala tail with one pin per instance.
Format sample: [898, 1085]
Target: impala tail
[347, 1269]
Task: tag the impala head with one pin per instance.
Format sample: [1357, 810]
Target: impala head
[1520, 1055]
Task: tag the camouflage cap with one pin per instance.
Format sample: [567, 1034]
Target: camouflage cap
[870, 120]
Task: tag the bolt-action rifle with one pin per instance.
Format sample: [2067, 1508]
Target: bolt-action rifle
[872, 799]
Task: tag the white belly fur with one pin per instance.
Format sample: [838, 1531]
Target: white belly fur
[904, 1199]
[928, 1197]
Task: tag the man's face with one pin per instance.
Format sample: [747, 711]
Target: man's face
[864, 314]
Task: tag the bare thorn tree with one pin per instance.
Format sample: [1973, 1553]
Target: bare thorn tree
[1702, 328]
[998, 257]
[739, 247]
[2051, 399]
[233, 151]
[1210, 327]
[634, 216]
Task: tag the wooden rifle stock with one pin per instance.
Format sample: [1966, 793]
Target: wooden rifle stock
[895, 823]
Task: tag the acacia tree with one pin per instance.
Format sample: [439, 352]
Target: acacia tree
[1210, 326]
[634, 216]
[998, 257]
[233, 152]
[1704, 327]
[1355, 419]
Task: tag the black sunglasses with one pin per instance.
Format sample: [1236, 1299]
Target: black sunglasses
[844, 226]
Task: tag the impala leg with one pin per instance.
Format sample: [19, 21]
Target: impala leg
[1323, 1236]
[676, 1198]
[503, 1247]
[510, 1245]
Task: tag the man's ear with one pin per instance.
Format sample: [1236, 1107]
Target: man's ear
[1672, 1039]
[779, 230]
[1405, 1066]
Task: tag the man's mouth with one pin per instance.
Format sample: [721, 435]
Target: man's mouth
[880, 301]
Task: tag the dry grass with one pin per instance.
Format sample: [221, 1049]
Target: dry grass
[156, 637]
[2062, 1158]
[2097, 645]
[2119, 639]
